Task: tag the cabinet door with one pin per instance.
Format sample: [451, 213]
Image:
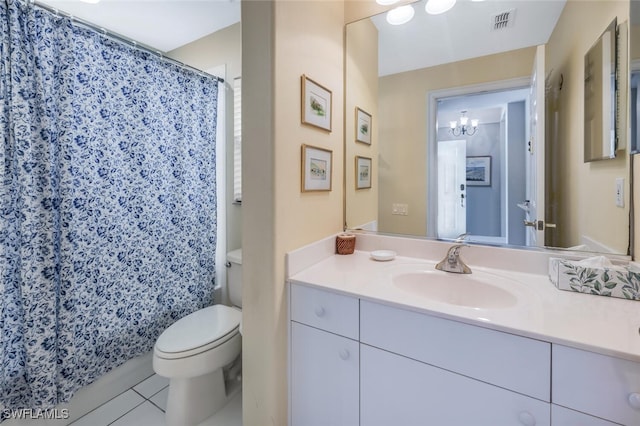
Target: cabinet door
[400, 391]
[324, 378]
[561, 416]
[596, 384]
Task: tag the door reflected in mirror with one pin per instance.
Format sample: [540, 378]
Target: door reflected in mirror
[399, 74]
[478, 170]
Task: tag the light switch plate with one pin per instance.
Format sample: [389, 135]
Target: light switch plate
[620, 192]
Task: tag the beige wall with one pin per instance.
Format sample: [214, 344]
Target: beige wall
[403, 129]
[635, 44]
[586, 191]
[281, 41]
[361, 91]
[223, 47]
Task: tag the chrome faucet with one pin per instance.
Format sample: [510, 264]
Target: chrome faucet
[452, 261]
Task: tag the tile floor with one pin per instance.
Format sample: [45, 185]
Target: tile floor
[144, 405]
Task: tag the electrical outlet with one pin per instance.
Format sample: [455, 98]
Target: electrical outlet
[620, 192]
[400, 209]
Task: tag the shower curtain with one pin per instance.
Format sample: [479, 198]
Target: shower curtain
[108, 202]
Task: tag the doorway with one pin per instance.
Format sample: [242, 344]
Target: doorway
[479, 184]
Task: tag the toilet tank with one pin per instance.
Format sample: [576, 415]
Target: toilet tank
[234, 277]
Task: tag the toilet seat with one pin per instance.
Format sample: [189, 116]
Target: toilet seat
[198, 332]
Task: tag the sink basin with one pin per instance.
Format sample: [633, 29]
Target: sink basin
[477, 290]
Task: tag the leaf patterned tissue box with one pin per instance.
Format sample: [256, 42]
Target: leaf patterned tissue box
[596, 275]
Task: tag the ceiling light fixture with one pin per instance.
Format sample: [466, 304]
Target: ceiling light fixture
[386, 2]
[90, 1]
[463, 128]
[400, 15]
[436, 7]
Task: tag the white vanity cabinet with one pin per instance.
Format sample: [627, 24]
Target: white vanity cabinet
[355, 362]
[419, 369]
[324, 364]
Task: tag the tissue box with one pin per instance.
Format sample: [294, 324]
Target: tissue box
[583, 277]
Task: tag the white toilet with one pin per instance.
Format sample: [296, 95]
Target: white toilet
[200, 354]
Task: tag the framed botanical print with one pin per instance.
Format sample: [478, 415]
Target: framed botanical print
[316, 168]
[316, 104]
[363, 172]
[363, 126]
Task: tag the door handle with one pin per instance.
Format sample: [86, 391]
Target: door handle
[539, 224]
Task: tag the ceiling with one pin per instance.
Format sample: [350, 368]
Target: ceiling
[429, 40]
[163, 25]
[487, 107]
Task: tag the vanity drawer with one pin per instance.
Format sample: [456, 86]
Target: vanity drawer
[513, 362]
[328, 311]
[596, 384]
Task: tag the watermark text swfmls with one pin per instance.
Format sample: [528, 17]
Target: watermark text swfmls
[34, 414]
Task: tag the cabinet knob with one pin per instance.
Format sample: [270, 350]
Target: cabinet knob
[634, 400]
[344, 354]
[526, 419]
[320, 311]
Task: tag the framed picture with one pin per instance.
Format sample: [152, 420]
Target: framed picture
[316, 104]
[363, 126]
[316, 169]
[363, 172]
[479, 171]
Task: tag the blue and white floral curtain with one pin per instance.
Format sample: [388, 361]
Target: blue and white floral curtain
[108, 202]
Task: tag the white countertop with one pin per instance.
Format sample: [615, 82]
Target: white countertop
[601, 324]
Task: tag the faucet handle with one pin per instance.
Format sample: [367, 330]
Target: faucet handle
[452, 261]
[454, 250]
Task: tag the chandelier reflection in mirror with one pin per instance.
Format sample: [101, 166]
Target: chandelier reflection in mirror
[463, 128]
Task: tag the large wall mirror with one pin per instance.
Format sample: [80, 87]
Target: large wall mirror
[477, 125]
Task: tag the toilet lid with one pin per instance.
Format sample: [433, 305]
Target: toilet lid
[199, 328]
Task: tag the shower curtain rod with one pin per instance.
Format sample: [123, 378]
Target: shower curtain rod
[120, 38]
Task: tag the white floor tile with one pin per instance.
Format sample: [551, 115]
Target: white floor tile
[151, 386]
[112, 410]
[145, 414]
[160, 399]
[229, 415]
